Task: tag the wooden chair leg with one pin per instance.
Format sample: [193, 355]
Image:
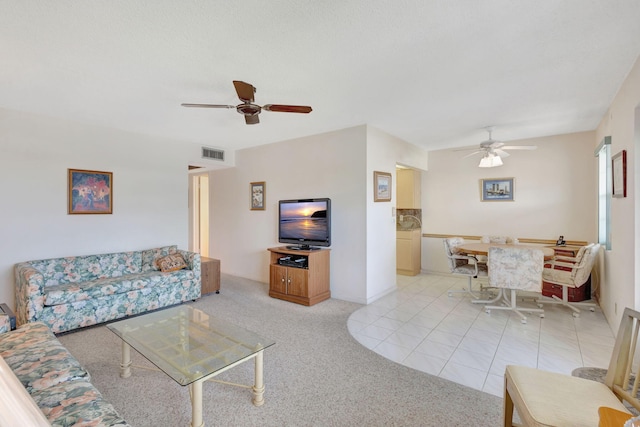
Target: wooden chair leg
[508, 407]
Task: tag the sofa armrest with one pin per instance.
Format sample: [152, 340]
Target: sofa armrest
[29, 293]
[16, 405]
[193, 261]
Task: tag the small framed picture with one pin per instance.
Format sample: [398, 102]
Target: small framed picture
[381, 186]
[619, 172]
[258, 190]
[90, 192]
[497, 190]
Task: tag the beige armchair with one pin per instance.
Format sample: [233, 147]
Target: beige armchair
[570, 272]
[464, 265]
[544, 398]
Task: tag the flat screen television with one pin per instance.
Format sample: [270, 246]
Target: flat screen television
[305, 223]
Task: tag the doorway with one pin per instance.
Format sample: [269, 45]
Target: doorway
[199, 214]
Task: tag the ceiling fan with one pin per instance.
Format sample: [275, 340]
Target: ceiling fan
[493, 151]
[250, 110]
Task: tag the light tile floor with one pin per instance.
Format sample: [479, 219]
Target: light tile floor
[420, 326]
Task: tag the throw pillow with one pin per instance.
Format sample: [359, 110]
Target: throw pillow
[171, 262]
[150, 256]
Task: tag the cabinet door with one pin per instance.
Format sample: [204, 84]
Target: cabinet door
[298, 282]
[404, 257]
[278, 278]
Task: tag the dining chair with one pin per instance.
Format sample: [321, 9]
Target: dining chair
[465, 265]
[514, 269]
[498, 240]
[543, 398]
[570, 272]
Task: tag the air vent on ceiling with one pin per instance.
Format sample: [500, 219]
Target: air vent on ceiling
[213, 154]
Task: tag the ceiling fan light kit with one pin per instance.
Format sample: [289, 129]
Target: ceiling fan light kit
[493, 151]
[250, 110]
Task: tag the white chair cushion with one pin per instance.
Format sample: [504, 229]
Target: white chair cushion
[554, 399]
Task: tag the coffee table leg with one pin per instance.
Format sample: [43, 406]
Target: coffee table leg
[125, 365]
[258, 388]
[196, 404]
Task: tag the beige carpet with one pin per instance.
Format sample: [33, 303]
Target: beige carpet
[315, 375]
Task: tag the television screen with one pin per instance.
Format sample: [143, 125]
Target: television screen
[305, 223]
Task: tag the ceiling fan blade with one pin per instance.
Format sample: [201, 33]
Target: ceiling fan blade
[245, 90]
[208, 105]
[252, 120]
[287, 108]
[471, 154]
[501, 153]
[519, 147]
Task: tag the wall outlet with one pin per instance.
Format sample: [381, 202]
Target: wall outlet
[401, 218]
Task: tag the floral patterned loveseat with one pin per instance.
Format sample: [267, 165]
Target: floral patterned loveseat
[73, 292]
[44, 384]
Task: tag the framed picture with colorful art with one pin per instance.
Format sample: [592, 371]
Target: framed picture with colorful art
[90, 192]
[619, 172]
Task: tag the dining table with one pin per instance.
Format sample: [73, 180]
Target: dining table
[483, 248]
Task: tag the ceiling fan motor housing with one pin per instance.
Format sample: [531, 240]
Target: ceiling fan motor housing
[248, 109]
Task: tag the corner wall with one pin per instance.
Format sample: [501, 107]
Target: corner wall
[622, 279]
[338, 165]
[326, 165]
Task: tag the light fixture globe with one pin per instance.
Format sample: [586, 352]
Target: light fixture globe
[490, 160]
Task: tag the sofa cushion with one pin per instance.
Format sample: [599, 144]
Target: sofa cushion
[76, 403]
[65, 270]
[37, 358]
[150, 256]
[116, 264]
[73, 292]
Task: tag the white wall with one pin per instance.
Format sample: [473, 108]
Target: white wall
[555, 194]
[383, 152]
[327, 165]
[149, 191]
[621, 286]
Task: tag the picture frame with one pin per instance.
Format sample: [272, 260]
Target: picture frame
[619, 173]
[381, 186]
[89, 192]
[497, 190]
[258, 195]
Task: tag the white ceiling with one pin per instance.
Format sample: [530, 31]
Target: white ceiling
[433, 73]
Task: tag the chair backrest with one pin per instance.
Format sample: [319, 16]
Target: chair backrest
[516, 268]
[450, 244]
[622, 362]
[494, 239]
[585, 263]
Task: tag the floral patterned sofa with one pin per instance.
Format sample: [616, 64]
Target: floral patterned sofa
[57, 386]
[73, 292]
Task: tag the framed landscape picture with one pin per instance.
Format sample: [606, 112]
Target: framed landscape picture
[90, 192]
[497, 190]
[381, 186]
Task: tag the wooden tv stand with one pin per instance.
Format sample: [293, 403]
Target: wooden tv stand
[303, 285]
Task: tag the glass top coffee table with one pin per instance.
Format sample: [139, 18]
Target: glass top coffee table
[191, 347]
